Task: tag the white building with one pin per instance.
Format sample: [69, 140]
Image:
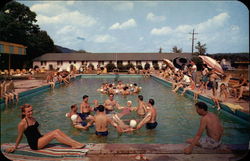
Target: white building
[65, 60]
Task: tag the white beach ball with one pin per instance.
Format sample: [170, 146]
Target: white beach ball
[132, 123]
[74, 117]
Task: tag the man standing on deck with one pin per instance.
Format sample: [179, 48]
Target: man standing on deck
[214, 130]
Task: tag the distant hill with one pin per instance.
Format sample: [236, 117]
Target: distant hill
[60, 49]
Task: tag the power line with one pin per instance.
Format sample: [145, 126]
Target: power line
[193, 40]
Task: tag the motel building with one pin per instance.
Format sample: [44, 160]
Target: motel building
[67, 60]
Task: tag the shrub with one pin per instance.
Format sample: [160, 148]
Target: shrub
[128, 66]
[156, 66]
[139, 66]
[110, 67]
[146, 66]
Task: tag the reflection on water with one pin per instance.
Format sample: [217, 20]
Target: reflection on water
[177, 118]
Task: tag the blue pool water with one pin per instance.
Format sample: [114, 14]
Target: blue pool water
[177, 118]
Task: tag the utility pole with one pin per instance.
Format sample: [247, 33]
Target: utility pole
[193, 40]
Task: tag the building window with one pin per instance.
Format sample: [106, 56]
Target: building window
[129, 62]
[100, 62]
[119, 62]
[43, 63]
[138, 62]
[154, 62]
[110, 61]
[59, 62]
[69, 62]
[74, 62]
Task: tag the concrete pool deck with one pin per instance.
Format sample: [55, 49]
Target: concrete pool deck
[132, 152]
[154, 152]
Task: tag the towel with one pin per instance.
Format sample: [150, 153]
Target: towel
[234, 107]
[50, 152]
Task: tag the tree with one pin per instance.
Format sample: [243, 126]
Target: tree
[81, 51]
[110, 67]
[17, 25]
[129, 65]
[176, 50]
[201, 48]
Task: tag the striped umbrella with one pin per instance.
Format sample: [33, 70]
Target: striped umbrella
[212, 63]
[169, 63]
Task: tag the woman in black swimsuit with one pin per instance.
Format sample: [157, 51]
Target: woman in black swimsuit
[29, 126]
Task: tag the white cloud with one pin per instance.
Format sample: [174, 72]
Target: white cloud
[127, 24]
[161, 31]
[208, 26]
[123, 6]
[73, 18]
[70, 2]
[184, 28]
[154, 18]
[103, 38]
[213, 23]
[49, 8]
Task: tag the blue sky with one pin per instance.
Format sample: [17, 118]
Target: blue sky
[135, 26]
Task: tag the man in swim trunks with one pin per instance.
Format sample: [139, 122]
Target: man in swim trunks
[209, 122]
[101, 121]
[85, 108]
[110, 104]
[150, 117]
[141, 108]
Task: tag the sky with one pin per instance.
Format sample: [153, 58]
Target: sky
[144, 26]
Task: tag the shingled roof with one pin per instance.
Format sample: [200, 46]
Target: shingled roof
[110, 56]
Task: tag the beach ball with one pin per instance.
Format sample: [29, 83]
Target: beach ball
[74, 117]
[132, 123]
[67, 114]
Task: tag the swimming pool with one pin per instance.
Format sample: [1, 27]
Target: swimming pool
[177, 118]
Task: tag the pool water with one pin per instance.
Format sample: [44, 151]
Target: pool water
[177, 118]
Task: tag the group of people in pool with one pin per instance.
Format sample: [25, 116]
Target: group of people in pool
[119, 88]
[104, 114]
[29, 126]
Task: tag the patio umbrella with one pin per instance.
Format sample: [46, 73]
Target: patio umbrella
[179, 62]
[169, 63]
[212, 63]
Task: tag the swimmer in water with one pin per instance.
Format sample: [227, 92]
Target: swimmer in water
[76, 119]
[102, 121]
[150, 117]
[110, 104]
